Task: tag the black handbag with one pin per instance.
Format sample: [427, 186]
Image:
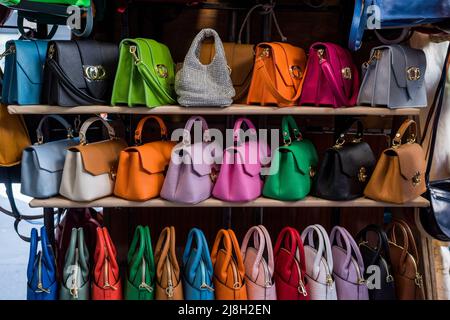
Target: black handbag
[378, 256]
[79, 73]
[346, 168]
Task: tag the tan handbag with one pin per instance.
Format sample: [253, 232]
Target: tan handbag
[399, 176]
[405, 262]
[168, 282]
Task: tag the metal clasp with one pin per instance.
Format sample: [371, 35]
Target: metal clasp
[133, 51]
[413, 73]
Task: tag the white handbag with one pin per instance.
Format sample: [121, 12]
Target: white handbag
[89, 169]
[319, 263]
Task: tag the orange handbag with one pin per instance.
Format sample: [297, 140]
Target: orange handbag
[140, 174]
[277, 75]
[229, 270]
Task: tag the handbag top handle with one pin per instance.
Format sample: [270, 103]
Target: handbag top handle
[323, 248]
[61, 120]
[105, 252]
[351, 248]
[238, 126]
[201, 253]
[140, 127]
[382, 247]
[407, 124]
[261, 242]
[359, 131]
[293, 243]
[188, 127]
[219, 60]
[165, 249]
[89, 122]
[287, 124]
[231, 249]
[46, 249]
[72, 259]
[144, 251]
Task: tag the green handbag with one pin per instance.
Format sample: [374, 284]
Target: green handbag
[292, 167]
[145, 75]
[141, 273]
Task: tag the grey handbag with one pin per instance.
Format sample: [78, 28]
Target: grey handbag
[42, 163]
[394, 77]
[199, 85]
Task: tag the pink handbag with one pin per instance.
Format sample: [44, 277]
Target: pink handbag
[332, 78]
[258, 269]
[239, 179]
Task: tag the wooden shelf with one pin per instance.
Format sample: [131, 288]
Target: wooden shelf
[232, 110]
[111, 202]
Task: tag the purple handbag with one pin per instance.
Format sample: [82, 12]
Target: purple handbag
[191, 173]
[348, 269]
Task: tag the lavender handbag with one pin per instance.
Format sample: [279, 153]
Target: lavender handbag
[348, 266]
[191, 173]
[259, 269]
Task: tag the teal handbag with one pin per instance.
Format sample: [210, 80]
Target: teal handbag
[293, 165]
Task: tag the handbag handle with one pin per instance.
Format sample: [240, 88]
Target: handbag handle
[293, 243]
[287, 124]
[89, 122]
[202, 253]
[61, 120]
[359, 132]
[238, 126]
[165, 249]
[188, 128]
[359, 23]
[140, 127]
[382, 245]
[323, 249]
[21, 27]
[407, 124]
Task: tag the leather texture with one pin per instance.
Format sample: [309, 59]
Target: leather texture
[405, 261]
[23, 76]
[319, 263]
[43, 163]
[205, 85]
[89, 168]
[168, 275]
[332, 78]
[348, 269]
[394, 77]
[41, 270]
[289, 177]
[197, 268]
[278, 74]
[259, 264]
[141, 267]
[146, 78]
[290, 266]
[75, 283]
[229, 271]
[191, 174]
[140, 173]
[399, 176]
[66, 80]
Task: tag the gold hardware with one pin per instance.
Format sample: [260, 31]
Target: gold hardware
[362, 174]
[133, 51]
[41, 288]
[413, 73]
[339, 142]
[10, 50]
[40, 140]
[229, 69]
[145, 286]
[288, 142]
[265, 53]
[321, 53]
[301, 288]
[296, 72]
[312, 172]
[329, 280]
[418, 280]
[94, 73]
[162, 71]
[207, 287]
[357, 140]
[361, 281]
[389, 278]
[213, 175]
[346, 73]
[416, 179]
[397, 141]
[412, 138]
[236, 285]
[51, 51]
[375, 56]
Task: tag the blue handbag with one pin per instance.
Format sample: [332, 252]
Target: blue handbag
[41, 271]
[23, 76]
[197, 268]
[43, 163]
[395, 14]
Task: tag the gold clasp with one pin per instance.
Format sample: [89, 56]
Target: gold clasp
[418, 280]
[362, 174]
[133, 51]
[94, 73]
[296, 72]
[320, 54]
[375, 56]
[416, 179]
[413, 73]
[265, 53]
[346, 73]
[162, 71]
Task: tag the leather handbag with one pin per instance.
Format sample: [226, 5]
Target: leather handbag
[90, 168]
[348, 269]
[106, 282]
[199, 85]
[399, 175]
[145, 75]
[190, 177]
[41, 270]
[197, 268]
[290, 266]
[319, 263]
[79, 73]
[168, 278]
[141, 267]
[229, 271]
[394, 77]
[43, 163]
[23, 76]
[405, 262]
[239, 178]
[140, 173]
[75, 283]
[259, 264]
[345, 168]
[278, 74]
[332, 78]
[378, 256]
[292, 166]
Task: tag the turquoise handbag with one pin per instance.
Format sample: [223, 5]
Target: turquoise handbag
[23, 76]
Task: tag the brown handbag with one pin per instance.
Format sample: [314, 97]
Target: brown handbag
[229, 270]
[399, 174]
[405, 262]
[168, 282]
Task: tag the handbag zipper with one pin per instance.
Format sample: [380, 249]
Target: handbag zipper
[106, 284]
[204, 284]
[329, 278]
[144, 284]
[389, 277]
[74, 287]
[40, 287]
[169, 289]
[236, 284]
[301, 286]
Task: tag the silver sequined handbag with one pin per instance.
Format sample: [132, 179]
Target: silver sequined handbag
[199, 85]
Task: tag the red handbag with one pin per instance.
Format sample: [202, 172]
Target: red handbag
[107, 284]
[290, 267]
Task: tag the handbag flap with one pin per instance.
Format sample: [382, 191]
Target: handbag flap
[353, 156]
[100, 157]
[411, 159]
[194, 155]
[246, 156]
[30, 57]
[284, 57]
[51, 156]
[301, 158]
[154, 156]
